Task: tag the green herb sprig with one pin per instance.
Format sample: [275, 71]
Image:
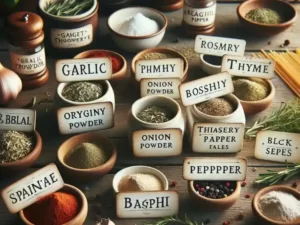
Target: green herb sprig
[273, 177]
[285, 119]
[174, 220]
[68, 7]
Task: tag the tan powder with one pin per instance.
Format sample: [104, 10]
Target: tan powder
[250, 89]
[140, 182]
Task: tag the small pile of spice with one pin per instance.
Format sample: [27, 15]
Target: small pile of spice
[140, 182]
[83, 91]
[86, 156]
[215, 189]
[214, 60]
[264, 15]
[280, 206]
[138, 25]
[55, 209]
[155, 114]
[250, 89]
[14, 145]
[216, 107]
[116, 62]
[188, 53]
[155, 55]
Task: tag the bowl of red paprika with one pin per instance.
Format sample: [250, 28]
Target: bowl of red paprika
[119, 63]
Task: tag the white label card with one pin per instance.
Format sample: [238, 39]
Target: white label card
[31, 188]
[147, 204]
[70, 70]
[161, 86]
[248, 66]
[222, 169]
[206, 88]
[84, 118]
[278, 146]
[219, 46]
[159, 68]
[157, 143]
[17, 119]
[218, 137]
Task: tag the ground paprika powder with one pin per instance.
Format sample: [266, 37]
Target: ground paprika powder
[55, 209]
[116, 62]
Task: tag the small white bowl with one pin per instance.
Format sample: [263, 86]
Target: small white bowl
[139, 169]
[136, 43]
[209, 68]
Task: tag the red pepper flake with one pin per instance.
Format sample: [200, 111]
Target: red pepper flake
[227, 184]
[226, 223]
[248, 196]
[174, 183]
[244, 183]
[116, 62]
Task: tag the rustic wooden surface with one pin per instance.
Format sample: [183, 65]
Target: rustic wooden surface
[227, 26]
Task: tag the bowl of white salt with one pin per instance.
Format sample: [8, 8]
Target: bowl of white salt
[134, 29]
[277, 205]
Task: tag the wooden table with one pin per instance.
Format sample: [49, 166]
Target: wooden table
[100, 191]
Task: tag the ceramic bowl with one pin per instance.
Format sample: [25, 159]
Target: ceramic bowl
[136, 43]
[209, 204]
[87, 174]
[252, 107]
[286, 10]
[139, 169]
[163, 51]
[27, 161]
[110, 6]
[81, 216]
[263, 218]
[116, 75]
[207, 67]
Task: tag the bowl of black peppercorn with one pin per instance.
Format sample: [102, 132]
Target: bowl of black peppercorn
[214, 195]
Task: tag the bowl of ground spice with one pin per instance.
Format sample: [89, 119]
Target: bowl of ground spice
[255, 94]
[214, 195]
[67, 206]
[266, 17]
[119, 64]
[87, 156]
[277, 205]
[18, 150]
[139, 178]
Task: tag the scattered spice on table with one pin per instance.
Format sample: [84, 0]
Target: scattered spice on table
[286, 43]
[155, 114]
[155, 55]
[212, 59]
[14, 145]
[86, 156]
[140, 182]
[248, 196]
[216, 107]
[68, 8]
[55, 209]
[188, 53]
[173, 183]
[264, 15]
[215, 189]
[250, 89]
[175, 220]
[244, 183]
[83, 91]
[279, 206]
[137, 25]
[116, 62]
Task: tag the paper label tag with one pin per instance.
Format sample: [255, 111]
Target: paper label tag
[84, 118]
[17, 119]
[218, 137]
[161, 86]
[159, 68]
[278, 146]
[31, 188]
[72, 38]
[206, 88]
[28, 64]
[70, 70]
[222, 169]
[157, 143]
[147, 204]
[199, 17]
[248, 66]
[219, 46]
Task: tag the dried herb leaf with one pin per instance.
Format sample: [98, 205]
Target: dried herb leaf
[155, 114]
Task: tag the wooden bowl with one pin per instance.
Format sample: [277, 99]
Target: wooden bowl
[121, 73]
[252, 107]
[27, 161]
[263, 218]
[286, 10]
[209, 204]
[92, 173]
[81, 216]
